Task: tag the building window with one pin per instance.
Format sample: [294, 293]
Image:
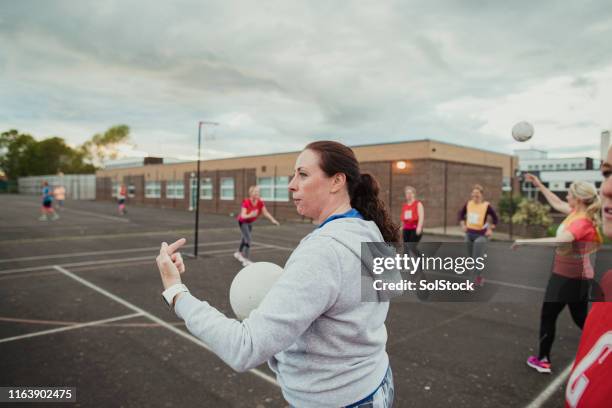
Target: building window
[206, 189]
[131, 190]
[274, 188]
[565, 165]
[114, 189]
[175, 189]
[266, 188]
[227, 188]
[598, 184]
[152, 189]
[530, 167]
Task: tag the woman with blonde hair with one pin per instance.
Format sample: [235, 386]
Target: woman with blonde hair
[252, 207]
[572, 273]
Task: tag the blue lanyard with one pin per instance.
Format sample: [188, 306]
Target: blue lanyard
[352, 213]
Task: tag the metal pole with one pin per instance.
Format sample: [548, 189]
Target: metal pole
[511, 229]
[197, 207]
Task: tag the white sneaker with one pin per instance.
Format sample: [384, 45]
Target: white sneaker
[246, 262]
[42, 218]
[239, 256]
[55, 217]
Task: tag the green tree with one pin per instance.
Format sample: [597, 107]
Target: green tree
[21, 155]
[103, 146]
[14, 149]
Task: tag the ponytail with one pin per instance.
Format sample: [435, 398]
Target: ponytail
[593, 211]
[364, 198]
[587, 193]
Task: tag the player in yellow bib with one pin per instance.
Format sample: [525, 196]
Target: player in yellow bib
[473, 219]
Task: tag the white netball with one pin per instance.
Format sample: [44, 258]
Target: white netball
[251, 285]
[522, 131]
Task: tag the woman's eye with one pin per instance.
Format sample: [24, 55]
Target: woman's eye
[606, 173]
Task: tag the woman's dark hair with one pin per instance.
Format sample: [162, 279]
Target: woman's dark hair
[363, 188]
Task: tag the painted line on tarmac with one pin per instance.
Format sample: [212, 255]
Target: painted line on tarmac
[108, 261]
[65, 323]
[93, 214]
[552, 388]
[102, 266]
[495, 282]
[73, 327]
[106, 252]
[108, 217]
[155, 319]
[203, 230]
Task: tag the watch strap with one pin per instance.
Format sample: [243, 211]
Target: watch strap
[169, 294]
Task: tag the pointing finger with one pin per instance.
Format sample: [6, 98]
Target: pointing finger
[176, 245]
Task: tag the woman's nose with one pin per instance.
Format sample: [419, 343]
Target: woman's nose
[292, 184]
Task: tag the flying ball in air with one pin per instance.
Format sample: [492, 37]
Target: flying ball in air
[522, 131]
[251, 285]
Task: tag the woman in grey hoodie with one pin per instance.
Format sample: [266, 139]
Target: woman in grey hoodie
[326, 345]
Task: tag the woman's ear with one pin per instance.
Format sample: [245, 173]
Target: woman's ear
[338, 182]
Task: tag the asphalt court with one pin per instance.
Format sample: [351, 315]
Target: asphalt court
[80, 306]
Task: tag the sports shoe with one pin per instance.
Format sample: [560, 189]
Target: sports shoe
[54, 217]
[239, 256]
[42, 218]
[542, 366]
[246, 261]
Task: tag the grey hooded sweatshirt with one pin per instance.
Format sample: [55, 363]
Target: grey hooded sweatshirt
[325, 345]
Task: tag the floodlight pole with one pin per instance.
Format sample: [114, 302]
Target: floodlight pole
[511, 178]
[197, 206]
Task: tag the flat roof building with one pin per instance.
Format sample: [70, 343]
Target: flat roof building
[442, 173]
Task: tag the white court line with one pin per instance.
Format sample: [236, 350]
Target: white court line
[551, 389]
[110, 261]
[495, 282]
[72, 327]
[82, 268]
[92, 214]
[155, 319]
[110, 217]
[113, 251]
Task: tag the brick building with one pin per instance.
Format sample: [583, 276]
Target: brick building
[442, 173]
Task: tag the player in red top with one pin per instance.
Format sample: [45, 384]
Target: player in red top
[413, 216]
[251, 208]
[590, 383]
[572, 274]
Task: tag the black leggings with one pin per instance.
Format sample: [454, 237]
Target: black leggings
[245, 240]
[560, 292]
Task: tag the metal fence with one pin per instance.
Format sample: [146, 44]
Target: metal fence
[78, 186]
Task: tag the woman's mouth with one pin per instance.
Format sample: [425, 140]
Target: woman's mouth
[607, 212]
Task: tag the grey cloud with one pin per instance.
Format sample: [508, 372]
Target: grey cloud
[350, 69]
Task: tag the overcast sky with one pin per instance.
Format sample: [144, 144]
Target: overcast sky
[278, 74]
